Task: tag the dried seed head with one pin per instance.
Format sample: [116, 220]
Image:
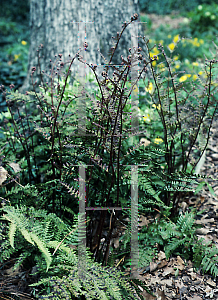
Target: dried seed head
[93, 66]
[135, 16]
[104, 74]
[124, 24]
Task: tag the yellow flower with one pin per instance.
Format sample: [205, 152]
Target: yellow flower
[183, 78]
[195, 76]
[150, 88]
[195, 42]
[173, 69]
[176, 38]
[189, 75]
[201, 41]
[177, 66]
[146, 118]
[23, 43]
[16, 56]
[195, 64]
[161, 42]
[156, 106]
[154, 63]
[171, 47]
[176, 57]
[200, 73]
[158, 141]
[169, 36]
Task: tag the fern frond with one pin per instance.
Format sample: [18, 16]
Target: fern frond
[42, 248]
[11, 233]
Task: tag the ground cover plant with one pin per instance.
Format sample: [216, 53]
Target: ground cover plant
[40, 200]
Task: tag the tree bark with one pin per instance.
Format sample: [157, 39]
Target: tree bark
[60, 27]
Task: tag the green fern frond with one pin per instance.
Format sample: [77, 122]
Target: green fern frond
[12, 230]
[42, 248]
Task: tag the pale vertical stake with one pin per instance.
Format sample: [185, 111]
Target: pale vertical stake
[134, 222]
[82, 225]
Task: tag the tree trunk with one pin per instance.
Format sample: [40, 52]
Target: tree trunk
[60, 27]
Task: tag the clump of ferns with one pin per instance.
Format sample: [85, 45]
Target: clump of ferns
[179, 238]
[49, 148]
[62, 274]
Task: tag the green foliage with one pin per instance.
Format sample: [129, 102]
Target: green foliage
[14, 54]
[167, 6]
[38, 233]
[204, 18]
[179, 239]
[15, 10]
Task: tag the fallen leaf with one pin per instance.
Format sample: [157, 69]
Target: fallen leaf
[144, 142]
[168, 270]
[3, 175]
[183, 206]
[194, 297]
[143, 221]
[153, 266]
[211, 283]
[162, 264]
[202, 231]
[15, 167]
[161, 295]
[161, 255]
[204, 221]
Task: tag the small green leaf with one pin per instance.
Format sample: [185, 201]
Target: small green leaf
[211, 189]
[199, 187]
[176, 272]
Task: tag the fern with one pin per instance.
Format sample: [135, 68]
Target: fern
[35, 228]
